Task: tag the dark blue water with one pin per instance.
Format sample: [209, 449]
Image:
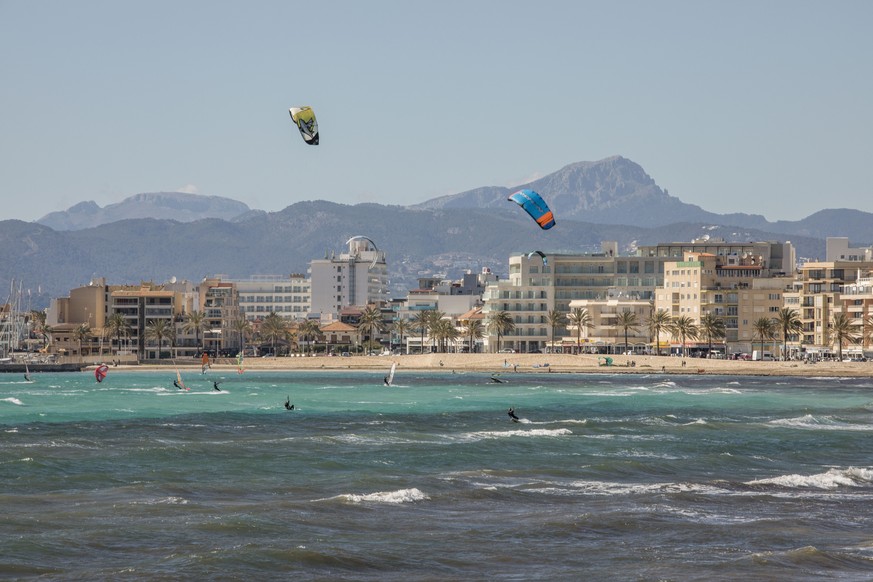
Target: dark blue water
[606, 477]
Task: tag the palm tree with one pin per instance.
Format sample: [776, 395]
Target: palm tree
[159, 330]
[117, 326]
[80, 334]
[195, 321]
[371, 320]
[579, 318]
[434, 317]
[867, 330]
[38, 326]
[243, 329]
[789, 322]
[474, 330]
[421, 322]
[765, 329]
[309, 329]
[712, 327]
[844, 330]
[274, 328]
[501, 323]
[555, 319]
[685, 329]
[659, 321]
[401, 327]
[627, 320]
[444, 331]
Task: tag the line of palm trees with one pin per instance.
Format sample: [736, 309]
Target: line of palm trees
[442, 331]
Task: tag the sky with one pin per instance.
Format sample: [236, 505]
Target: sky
[737, 106]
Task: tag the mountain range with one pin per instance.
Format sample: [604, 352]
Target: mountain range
[160, 235]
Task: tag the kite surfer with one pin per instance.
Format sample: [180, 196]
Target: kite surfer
[215, 386]
[288, 405]
[512, 415]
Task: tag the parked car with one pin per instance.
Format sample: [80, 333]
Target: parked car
[506, 351]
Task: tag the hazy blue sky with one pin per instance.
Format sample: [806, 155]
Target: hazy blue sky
[752, 106]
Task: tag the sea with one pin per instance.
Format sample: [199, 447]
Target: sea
[604, 477]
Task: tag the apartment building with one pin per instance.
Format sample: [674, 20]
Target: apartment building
[358, 276]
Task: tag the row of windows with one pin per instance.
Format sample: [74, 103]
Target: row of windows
[273, 299]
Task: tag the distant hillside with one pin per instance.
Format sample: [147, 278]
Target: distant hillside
[170, 205]
[617, 191]
[417, 241]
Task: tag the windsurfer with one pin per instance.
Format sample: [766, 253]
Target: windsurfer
[385, 379]
[27, 377]
[512, 415]
[176, 384]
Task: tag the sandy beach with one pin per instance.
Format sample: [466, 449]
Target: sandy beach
[536, 364]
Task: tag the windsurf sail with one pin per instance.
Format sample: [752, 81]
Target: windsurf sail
[27, 372]
[204, 363]
[535, 206]
[179, 381]
[390, 377]
[101, 372]
[239, 363]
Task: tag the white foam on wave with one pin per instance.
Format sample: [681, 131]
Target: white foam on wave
[811, 422]
[390, 497]
[13, 400]
[832, 479]
[498, 434]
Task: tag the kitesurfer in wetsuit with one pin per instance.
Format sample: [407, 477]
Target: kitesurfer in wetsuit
[215, 386]
[288, 405]
[511, 414]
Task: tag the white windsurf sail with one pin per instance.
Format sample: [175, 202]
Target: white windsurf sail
[391, 373]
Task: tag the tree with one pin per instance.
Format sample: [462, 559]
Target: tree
[118, 327]
[274, 328]
[370, 320]
[844, 330]
[789, 322]
[195, 321]
[555, 319]
[80, 334]
[580, 318]
[684, 328]
[474, 330]
[401, 327]
[38, 325]
[501, 323]
[443, 331]
[765, 330]
[421, 322]
[711, 327]
[309, 329]
[659, 321]
[243, 329]
[159, 330]
[627, 320]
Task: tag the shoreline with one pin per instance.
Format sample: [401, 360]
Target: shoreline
[523, 364]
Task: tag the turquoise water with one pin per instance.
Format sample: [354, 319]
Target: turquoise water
[606, 477]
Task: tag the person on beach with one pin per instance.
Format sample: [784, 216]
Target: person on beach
[512, 415]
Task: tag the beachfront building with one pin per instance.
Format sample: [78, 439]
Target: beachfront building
[738, 289]
[219, 303]
[288, 296]
[606, 336]
[452, 298]
[818, 297]
[356, 277]
[536, 286]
